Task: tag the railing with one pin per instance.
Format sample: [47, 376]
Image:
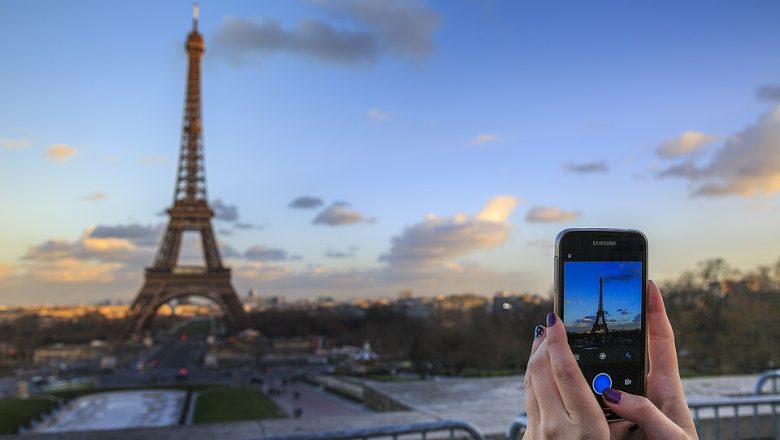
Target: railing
[737, 417]
[774, 376]
[741, 417]
[517, 427]
[423, 429]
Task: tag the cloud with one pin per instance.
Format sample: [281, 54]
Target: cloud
[338, 214]
[224, 211]
[485, 138]
[61, 152]
[136, 233]
[438, 240]
[15, 144]
[626, 273]
[261, 271]
[585, 321]
[96, 244]
[689, 142]
[102, 254]
[245, 226]
[402, 28]
[769, 93]
[5, 270]
[227, 251]
[155, 160]
[71, 270]
[747, 164]
[377, 115]
[551, 214]
[96, 197]
[306, 202]
[237, 37]
[589, 167]
[262, 253]
[331, 253]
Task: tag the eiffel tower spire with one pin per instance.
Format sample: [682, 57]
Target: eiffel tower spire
[191, 176]
[600, 316]
[166, 280]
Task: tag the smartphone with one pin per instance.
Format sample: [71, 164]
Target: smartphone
[601, 297]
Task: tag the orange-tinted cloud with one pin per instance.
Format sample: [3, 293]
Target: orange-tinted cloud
[61, 152]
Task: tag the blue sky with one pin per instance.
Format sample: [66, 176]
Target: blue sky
[622, 294]
[461, 135]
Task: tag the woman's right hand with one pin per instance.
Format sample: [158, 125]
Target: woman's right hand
[664, 413]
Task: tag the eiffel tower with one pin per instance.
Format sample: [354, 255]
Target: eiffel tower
[165, 280]
[600, 328]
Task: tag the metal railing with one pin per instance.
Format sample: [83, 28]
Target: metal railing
[517, 427]
[766, 376]
[740, 417]
[447, 428]
[737, 417]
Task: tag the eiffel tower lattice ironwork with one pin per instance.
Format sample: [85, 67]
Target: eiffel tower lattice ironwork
[166, 280]
[600, 327]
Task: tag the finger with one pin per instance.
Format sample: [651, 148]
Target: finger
[661, 350]
[531, 405]
[641, 411]
[538, 338]
[575, 392]
[544, 387]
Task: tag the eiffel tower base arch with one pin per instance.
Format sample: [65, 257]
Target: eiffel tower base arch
[161, 287]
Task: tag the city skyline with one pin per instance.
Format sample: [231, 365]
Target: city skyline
[429, 146]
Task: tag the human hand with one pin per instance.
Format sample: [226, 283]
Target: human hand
[558, 400]
[664, 414]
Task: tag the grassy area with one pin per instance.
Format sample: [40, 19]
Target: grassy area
[196, 327]
[232, 404]
[17, 412]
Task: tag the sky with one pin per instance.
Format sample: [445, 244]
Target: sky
[358, 148]
[622, 294]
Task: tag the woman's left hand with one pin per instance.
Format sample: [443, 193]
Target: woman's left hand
[558, 400]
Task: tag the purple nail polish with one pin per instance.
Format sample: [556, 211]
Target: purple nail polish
[538, 331]
[550, 319]
[612, 395]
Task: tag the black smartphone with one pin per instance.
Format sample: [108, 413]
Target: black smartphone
[601, 297]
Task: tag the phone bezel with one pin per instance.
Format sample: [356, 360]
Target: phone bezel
[604, 233]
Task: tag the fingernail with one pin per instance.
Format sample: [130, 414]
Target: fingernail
[550, 319]
[612, 395]
[538, 331]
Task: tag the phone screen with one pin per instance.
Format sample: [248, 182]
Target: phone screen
[603, 310]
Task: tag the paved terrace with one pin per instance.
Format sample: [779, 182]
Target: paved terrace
[490, 404]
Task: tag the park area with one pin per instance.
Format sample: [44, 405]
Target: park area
[234, 404]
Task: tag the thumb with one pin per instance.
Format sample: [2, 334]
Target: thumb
[641, 411]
